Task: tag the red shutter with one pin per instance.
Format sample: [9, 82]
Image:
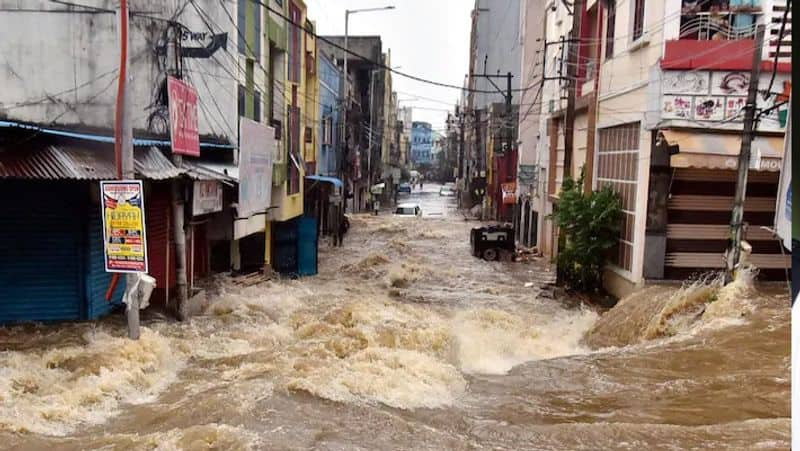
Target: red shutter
[158, 207]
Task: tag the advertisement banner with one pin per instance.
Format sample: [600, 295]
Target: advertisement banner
[207, 197]
[509, 192]
[256, 150]
[183, 127]
[122, 204]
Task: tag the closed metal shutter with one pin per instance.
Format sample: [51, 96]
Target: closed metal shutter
[158, 218]
[97, 279]
[41, 264]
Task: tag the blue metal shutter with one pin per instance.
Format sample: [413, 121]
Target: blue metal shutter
[97, 279]
[41, 269]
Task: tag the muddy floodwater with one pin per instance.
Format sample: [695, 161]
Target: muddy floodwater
[405, 341]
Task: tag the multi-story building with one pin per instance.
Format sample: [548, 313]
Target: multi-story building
[421, 143]
[365, 105]
[659, 94]
[495, 49]
[532, 160]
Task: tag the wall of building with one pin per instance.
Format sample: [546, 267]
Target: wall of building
[497, 43]
[421, 143]
[330, 83]
[80, 52]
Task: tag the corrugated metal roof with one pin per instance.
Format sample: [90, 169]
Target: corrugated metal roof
[76, 163]
[227, 173]
[151, 164]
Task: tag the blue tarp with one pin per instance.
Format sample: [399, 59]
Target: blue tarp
[323, 178]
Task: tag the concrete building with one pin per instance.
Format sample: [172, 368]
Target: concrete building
[366, 82]
[421, 143]
[659, 97]
[532, 161]
[495, 49]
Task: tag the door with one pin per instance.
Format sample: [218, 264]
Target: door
[307, 246]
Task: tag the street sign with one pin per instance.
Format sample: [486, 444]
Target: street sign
[122, 208]
[256, 151]
[183, 127]
[207, 197]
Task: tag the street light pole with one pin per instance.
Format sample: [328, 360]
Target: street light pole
[345, 51]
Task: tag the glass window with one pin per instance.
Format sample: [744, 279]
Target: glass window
[611, 22]
[638, 19]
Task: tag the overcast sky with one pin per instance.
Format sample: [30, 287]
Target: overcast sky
[428, 38]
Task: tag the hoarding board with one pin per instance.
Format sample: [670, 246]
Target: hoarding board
[124, 244]
[256, 151]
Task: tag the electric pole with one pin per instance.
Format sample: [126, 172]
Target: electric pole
[734, 251]
[572, 85]
[123, 149]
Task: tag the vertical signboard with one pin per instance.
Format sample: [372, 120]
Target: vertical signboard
[206, 197]
[256, 150]
[122, 204]
[783, 211]
[183, 127]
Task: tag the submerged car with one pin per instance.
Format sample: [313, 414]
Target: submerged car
[447, 191]
[408, 210]
[404, 188]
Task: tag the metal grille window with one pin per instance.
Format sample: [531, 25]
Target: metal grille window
[293, 166]
[617, 167]
[295, 43]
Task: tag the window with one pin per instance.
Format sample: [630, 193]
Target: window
[611, 22]
[242, 102]
[257, 106]
[242, 25]
[617, 167]
[638, 19]
[293, 165]
[294, 45]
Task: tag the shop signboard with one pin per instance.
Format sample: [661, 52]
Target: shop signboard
[207, 197]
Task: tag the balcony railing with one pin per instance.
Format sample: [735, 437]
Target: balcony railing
[722, 25]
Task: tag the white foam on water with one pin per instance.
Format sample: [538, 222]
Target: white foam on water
[56, 390]
[492, 341]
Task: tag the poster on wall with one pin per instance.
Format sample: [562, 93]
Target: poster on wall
[122, 204]
[676, 107]
[729, 83]
[685, 82]
[206, 197]
[709, 108]
[256, 151]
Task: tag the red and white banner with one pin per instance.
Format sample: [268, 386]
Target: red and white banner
[183, 127]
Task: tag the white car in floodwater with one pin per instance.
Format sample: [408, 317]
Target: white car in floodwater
[408, 210]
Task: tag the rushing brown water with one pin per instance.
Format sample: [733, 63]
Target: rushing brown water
[405, 341]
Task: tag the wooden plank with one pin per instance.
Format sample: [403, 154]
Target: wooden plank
[713, 232]
[718, 203]
[711, 261]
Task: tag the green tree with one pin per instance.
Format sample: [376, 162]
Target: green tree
[589, 225]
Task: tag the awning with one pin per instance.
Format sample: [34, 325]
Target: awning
[323, 178]
[721, 151]
[78, 163]
[227, 173]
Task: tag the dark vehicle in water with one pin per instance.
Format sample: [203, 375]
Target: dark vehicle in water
[490, 242]
[404, 188]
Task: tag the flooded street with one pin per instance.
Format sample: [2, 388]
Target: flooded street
[405, 341]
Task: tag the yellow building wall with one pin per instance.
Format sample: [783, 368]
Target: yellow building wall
[291, 206]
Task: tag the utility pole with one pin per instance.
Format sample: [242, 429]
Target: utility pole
[734, 251]
[572, 85]
[179, 231]
[123, 149]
